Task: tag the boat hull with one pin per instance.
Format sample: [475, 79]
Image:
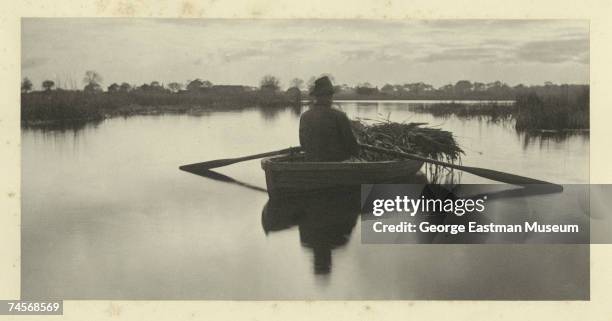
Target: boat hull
[286, 176]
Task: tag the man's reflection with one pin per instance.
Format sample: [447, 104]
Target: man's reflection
[325, 221]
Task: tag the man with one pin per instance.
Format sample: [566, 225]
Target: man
[325, 132]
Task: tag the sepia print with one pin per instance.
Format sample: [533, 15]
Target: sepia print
[201, 159]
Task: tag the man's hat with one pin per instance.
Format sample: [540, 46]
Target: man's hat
[322, 87]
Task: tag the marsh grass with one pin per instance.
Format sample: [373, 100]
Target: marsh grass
[530, 112]
[558, 112]
[65, 106]
[490, 111]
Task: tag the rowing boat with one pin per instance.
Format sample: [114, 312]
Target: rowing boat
[289, 174]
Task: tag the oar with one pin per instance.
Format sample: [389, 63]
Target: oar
[482, 172]
[229, 161]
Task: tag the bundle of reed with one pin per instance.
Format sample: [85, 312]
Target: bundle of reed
[409, 138]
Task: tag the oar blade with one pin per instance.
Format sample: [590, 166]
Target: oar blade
[510, 178]
[209, 165]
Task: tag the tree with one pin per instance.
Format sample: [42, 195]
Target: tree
[125, 87]
[194, 85]
[26, 85]
[294, 94]
[427, 87]
[92, 81]
[113, 88]
[92, 87]
[297, 83]
[175, 86]
[48, 85]
[269, 83]
[156, 86]
[478, 86]
[494, 85]
[198, 84]
[447, 88]
[388, 89]
[330, 76]
[463, 86]
[341, 88]
[366, 89]
[520, 89]
[417, 87]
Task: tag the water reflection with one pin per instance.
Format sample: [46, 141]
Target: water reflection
[542, 138]
[221, 177]
[325, 221]
[62, 127]
[366, 110]
[115, 194]
[297, 109]
[271, 113]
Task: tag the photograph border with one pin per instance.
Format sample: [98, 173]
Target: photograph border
[600, 154]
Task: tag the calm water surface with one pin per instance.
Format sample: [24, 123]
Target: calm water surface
[107, 214]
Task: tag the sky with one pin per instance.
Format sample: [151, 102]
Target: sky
[231, 51]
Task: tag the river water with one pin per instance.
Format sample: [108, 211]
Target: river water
[106, 214]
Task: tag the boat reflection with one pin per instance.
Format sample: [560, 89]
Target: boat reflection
[325, 221]
[325, 218]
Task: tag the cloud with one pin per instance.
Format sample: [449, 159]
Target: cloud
[496, 42]
[33, 62]
[377, 54]
[555, 51]
[500, 24]
[240, 50]
[358, 54]
[242, 54]
[461, 54]
[293, 45]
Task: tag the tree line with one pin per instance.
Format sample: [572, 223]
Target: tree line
[462, 89]
[541, 106]
[92, 82]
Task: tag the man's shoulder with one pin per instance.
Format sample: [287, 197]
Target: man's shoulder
[306, 114]
[338, 113]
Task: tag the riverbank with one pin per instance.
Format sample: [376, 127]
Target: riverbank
[74, 123]
[530, 111]
[65, 106]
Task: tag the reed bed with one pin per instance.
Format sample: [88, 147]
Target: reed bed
[531, 112]
[412, 138]
[66, 105]
[491, 111]
[559, 113]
